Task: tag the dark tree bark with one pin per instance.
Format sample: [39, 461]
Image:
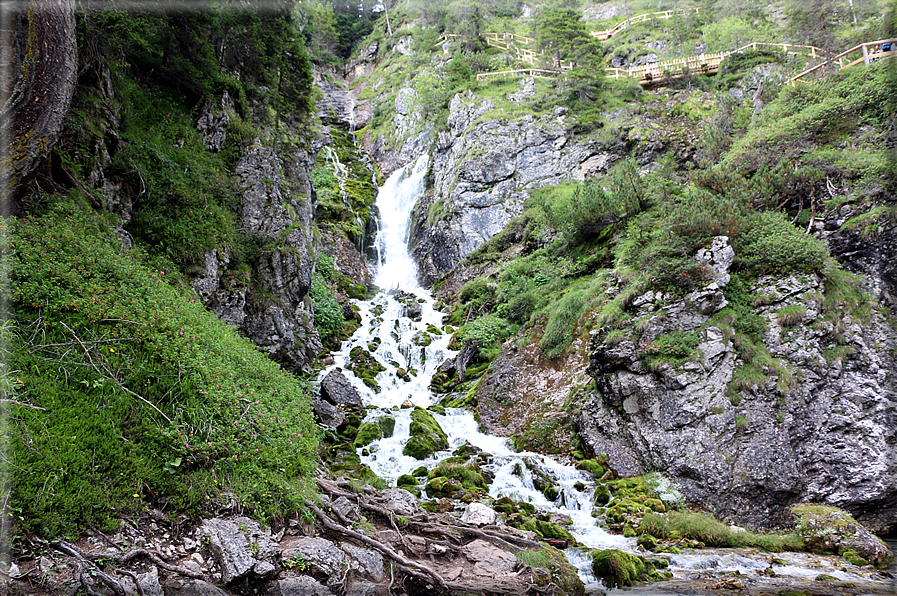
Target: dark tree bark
[40, 60]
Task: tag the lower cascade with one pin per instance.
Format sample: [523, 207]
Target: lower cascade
[404, 332]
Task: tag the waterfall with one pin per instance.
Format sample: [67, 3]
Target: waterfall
[399, 341]
[401, 329]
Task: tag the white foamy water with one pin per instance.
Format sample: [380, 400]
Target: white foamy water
[398, 341]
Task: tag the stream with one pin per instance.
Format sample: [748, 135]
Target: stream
[411, 343]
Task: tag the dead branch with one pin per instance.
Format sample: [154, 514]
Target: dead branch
[107, 374]
[389, 515]
[18, 403]
[425, 574]
[73, 551]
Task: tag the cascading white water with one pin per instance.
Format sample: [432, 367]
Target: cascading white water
[398, 341]
[419, 344]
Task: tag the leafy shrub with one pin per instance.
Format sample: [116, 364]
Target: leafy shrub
[327, 311]
[674, 347]
[490, 329]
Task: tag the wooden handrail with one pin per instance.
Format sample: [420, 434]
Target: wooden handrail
[866, 59]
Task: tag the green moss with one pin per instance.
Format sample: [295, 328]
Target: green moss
[387, 425]
[617, 568]
[368, 432]
[427, 437]
[593, 467]
[560, 572]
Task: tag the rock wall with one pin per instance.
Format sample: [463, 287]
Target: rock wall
[824, 431]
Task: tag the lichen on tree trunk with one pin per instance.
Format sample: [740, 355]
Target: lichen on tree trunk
[41, 59]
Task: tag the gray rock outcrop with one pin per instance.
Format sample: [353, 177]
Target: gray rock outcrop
[817, 424]
[241, 547]
[336, 389]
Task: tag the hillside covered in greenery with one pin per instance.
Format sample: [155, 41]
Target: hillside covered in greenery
[189, 246]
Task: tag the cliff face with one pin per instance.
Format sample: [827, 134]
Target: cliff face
[821, 428]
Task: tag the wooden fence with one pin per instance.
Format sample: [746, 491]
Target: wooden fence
[865, 53]
[666, 14]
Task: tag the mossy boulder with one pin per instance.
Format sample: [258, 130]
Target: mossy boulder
[409, 483]
[617, 568]
[368, 432]
[647, 541]
[561, 574]
[551, 530]
[602, 495]
[592, 467]
[468, 474]
[365, 366]
[427, 437]
[504, 505]
[387, 425]
[831, 530]
[443, 487]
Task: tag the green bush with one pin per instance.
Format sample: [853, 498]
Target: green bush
[776, 246]
[562, 320]
[327, 311]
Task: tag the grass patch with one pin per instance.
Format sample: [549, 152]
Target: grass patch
[676, 525]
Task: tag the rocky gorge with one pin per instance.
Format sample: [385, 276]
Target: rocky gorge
[457, 450]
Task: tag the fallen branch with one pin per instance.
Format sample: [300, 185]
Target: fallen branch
[425, 574]
[73, 551]
[24, 405]
[133, 576]
[142, 552]
[106, 374]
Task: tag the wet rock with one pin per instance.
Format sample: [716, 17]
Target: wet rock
[427, 437]
[323, 557]
[478, 514]
[239, 545]
[337, 389]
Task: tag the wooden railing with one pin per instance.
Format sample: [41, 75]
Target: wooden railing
[666, 14]
[866, 53]
[533, 72]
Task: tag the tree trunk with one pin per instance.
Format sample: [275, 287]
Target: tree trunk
[40, 56]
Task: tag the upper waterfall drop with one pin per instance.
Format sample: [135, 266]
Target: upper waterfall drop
[395, 267]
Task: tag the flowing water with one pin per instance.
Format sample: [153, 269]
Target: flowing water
[398, 341]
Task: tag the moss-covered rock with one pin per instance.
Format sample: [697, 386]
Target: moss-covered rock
[602, 495]
[427, 437]
[617, 568]
[831, 530]
[647, 541]
[443, 487]
[409, 483]
[365, 366]
[593, 467]
[387, 425]
[560, 572]
[368, 432]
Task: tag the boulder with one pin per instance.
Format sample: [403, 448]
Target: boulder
[301, 585]
[829, 529]
[241, 546]
[399, 501]
[477, 514]
[323, 557]
[368, 562]
[337, 389]
[149, 585]
[489, 560]
[427, 437]
[327, 414]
